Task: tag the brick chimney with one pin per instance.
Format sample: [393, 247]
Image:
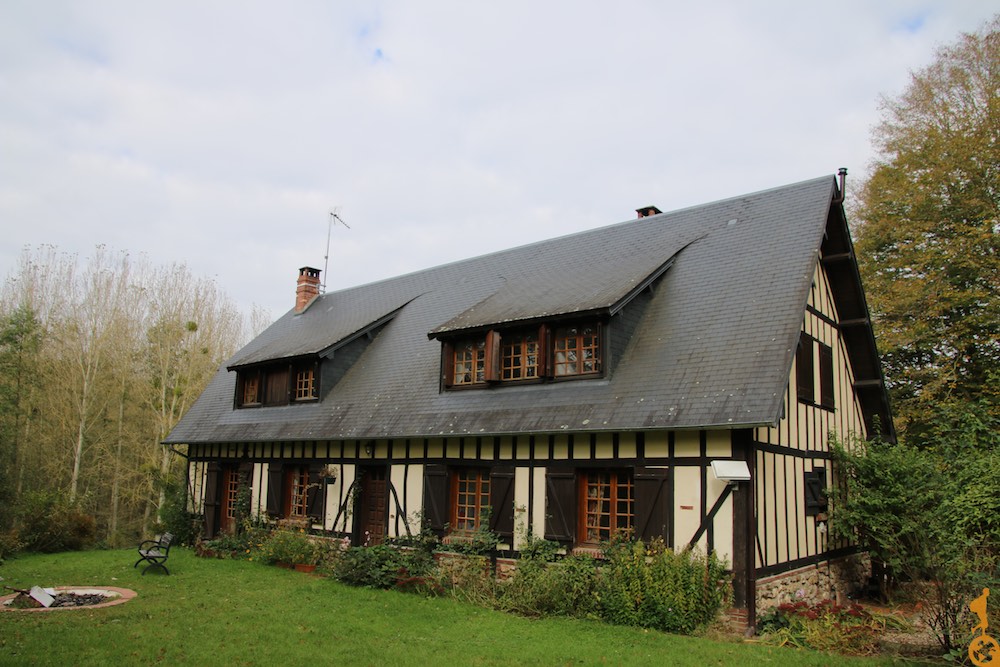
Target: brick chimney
[307, 288]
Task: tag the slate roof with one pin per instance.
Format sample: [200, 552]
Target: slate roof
[713, 349]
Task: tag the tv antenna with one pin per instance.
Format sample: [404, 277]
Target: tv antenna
[334, 217]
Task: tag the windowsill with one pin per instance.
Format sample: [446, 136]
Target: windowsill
[591, 550]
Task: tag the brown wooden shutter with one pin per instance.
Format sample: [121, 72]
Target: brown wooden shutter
[448, 363]
[652, 503]
[213, 481]
[275, 489]
[436, 496]
[276, 387]
[560, 506]
[502, 502]
[804, 370]
[544, 357]
[492, 369]
[314, 494]
[826, 394]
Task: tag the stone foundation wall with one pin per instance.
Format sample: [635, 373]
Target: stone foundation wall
[828, 580]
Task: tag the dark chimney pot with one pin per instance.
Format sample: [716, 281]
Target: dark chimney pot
[647, 211]
[307, 287]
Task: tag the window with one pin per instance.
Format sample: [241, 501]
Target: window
[577, 350]
[519, 356]
[305, 385]
[470, 498]
[470, 362]
[805, 372]
[297, 486]
[277, 384]
[815, 489]
[251, 388]
[606, 507]
[804, 378]
[826, 392]
[458, 500]
[499, 357]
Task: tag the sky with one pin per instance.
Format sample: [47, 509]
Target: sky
[222, 134]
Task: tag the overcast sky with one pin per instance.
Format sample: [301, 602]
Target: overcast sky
[222, 134]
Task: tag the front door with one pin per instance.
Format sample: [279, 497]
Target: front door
[372, 508]
[230, 492]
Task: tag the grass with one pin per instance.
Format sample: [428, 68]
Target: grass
[222, 612]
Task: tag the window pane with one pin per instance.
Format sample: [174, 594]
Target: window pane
[608, 507]
[471, 497]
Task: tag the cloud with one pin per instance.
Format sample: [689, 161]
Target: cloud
[220, 134]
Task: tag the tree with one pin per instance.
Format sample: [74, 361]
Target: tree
[98, 361]
[20, 338]
[928, 236]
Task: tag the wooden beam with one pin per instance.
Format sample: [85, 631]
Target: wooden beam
[856, 322]
[838, 257]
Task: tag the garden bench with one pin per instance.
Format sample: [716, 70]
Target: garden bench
[155, 552]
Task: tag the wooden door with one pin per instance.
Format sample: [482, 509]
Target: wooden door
[229, 490]
[372, 509]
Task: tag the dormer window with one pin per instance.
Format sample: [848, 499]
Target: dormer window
[469, 362]
[278, 383]
[305, 383]
[519, 355]
[502, 356]
[577, 350]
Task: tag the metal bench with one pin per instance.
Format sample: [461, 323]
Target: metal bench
[155, 552]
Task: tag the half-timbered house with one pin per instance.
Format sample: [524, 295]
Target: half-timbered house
[679, 375]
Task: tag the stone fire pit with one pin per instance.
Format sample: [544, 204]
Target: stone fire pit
[75, 597]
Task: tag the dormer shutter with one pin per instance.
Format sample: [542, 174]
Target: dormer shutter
[492, 370]
[448, 363]
[544, 358]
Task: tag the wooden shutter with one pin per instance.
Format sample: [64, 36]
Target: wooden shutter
[213, 480]
[436, 496]
[544, 358]
[815, 487]
[652, 503]
[826, 376]
[804, 370]
[560, 506]
[448, 363]
[314, 493]
[492, 365]
[276, 387]
[502, 502]
[275, 490]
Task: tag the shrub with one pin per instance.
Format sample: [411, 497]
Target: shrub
[540, 588]
[372, 567]
[289, 546]
[9, 545]
[47, 522]
[175, 517]
[654, 587]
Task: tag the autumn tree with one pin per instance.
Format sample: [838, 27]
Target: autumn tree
[99, 359]
[928, 233]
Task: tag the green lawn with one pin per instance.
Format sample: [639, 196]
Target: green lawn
[216, 612]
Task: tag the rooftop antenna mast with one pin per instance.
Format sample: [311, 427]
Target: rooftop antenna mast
[334, 216]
